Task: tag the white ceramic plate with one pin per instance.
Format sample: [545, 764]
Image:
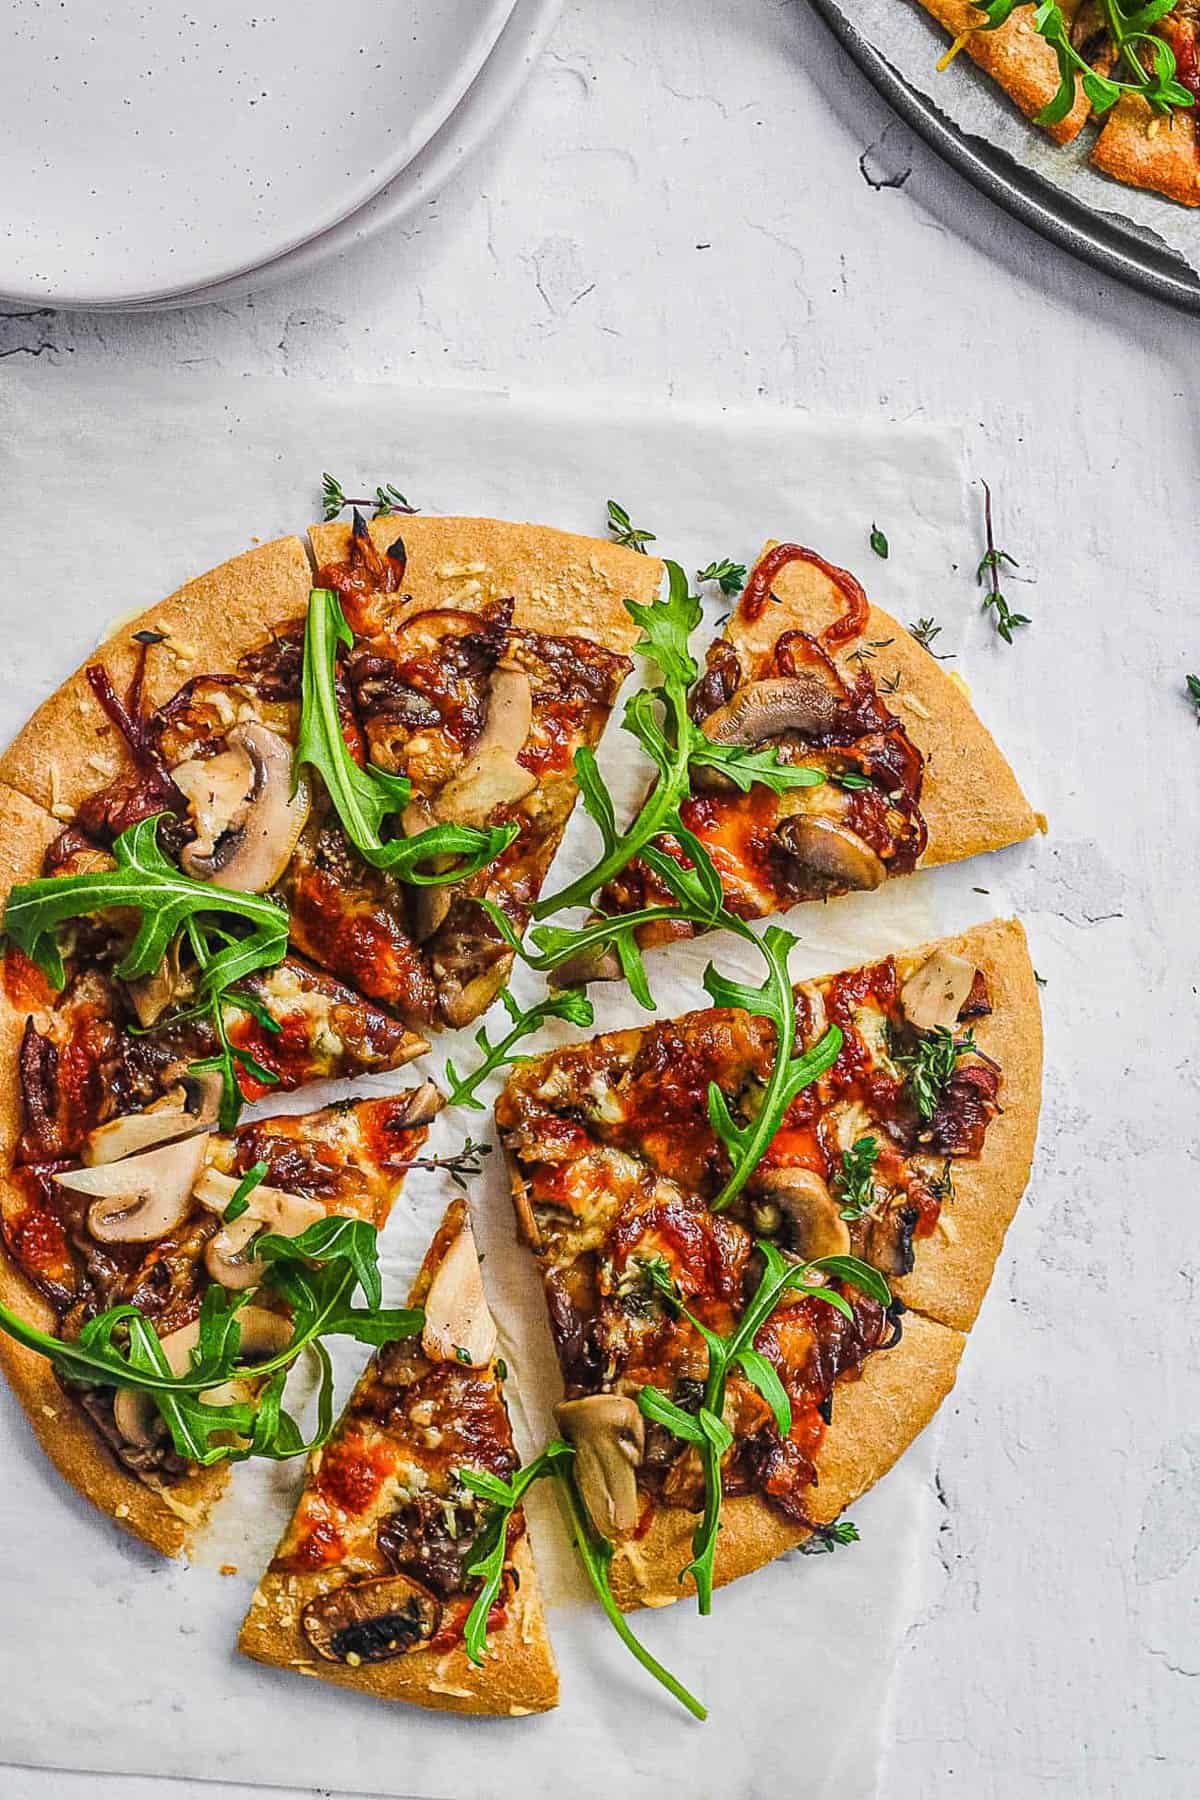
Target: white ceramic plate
[148, 150]
[477, 115]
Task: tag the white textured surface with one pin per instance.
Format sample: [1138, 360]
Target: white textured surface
[1056, 1649]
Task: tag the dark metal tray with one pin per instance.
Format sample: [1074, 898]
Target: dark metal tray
[1097, 238]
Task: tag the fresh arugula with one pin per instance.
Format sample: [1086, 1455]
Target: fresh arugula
[854, 1182]
[730, 577]
[239, 1200]
[316, 1274]
[1005, 620]
[1146, 60]
[388, 499]
[626, 533]
[571, 1004]
[698, 893]
[365, 799]
[706, 1429]
[879, 543]
[931, 1064]
[491, 1548]
[674, 744]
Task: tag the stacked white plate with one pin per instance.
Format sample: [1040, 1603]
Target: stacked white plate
[159, 154]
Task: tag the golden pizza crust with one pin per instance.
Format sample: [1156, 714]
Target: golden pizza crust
[70, 749]
[1016, 57]
[875, 1419]
[562, 584]
[1146, 151]
[971, 800]
[954, 1266]
[519, 1676]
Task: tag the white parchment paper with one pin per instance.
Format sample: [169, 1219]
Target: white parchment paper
[913, 44]
[109, 1658]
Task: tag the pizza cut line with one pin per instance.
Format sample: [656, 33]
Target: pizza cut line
[907, 776]
[910, 1153]
[1135, 144]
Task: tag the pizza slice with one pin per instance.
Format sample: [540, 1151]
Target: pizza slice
[903, 774]
[1139, 146]
[909, 1153]
[1017, 58]
[480, 656]
[372, 1583]
[160, 1210]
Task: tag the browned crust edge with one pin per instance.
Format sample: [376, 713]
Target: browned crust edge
[563, 584]
[971, 800]
[69, 749]
[1015, 57]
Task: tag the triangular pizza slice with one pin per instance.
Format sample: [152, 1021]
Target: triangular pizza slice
[905, 774]
[909, 1153]
[1016, 57]
[372, 1583]
[149, 1214]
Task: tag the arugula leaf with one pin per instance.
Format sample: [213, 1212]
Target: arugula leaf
[1146, 60]
[571, 1004]
[706, 1429]
[674, 743]
[239, 1200]
[487, 1565]
[365, 799]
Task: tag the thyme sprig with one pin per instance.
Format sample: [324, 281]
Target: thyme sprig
[388, 499]
[1005, 620]
[931, 1064]
[462, 1165]
[568, 1003]
[730, 577]
[854, 1182]
[925, 630]
[1146, 60]
[624, 532]
[706, 1429]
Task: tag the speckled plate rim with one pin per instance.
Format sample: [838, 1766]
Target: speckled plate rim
[489, 98]
[442, 105]
[1094, 237]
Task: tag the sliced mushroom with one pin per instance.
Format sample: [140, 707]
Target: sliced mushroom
[766, 709]
[428, 906]
[263, 1333]
[421, 1105]
[247, 815]
[152, 994]
[371, 1621]
[816, 1227]
[140, 1198]
[459, 1326]
[596, 964]
[182, 1111]
[492, 776]
[936, 992]
[609, 1435]
[228, 1256]
[836, 855]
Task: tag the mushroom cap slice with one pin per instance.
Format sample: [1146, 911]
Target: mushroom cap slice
[183, 1110]
[817, 1226]
[140, 1198]
[267, 1208]
[832, 852]
[248, 809]
[371, 1621]
[491, 776]
[263, 1333]
[422, 1105]
[765, 709]
[936, 992]
[609, 1436]
[459, 1326]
